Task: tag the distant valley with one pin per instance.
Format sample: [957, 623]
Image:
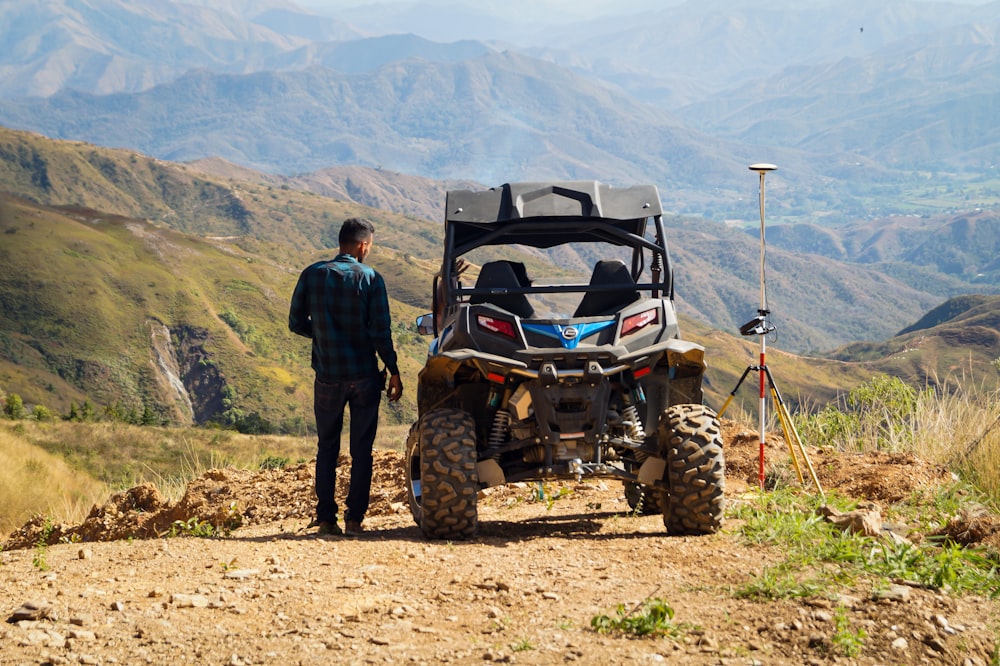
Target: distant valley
[183, 188]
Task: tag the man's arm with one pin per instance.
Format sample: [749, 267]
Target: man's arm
[381, 332]
[299, 321]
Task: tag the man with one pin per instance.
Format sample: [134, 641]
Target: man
[342, 305]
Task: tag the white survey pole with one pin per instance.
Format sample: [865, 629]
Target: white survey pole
[763, 312]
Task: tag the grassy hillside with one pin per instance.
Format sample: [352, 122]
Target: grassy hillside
[958, 340]
[265, 217]
[816, 303]
[109, 308]
[954, 251]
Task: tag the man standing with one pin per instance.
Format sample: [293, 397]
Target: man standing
[342, 305]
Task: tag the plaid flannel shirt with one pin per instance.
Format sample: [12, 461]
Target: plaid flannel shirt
[343, 306]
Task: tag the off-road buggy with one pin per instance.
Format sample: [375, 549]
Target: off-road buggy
[536, 380]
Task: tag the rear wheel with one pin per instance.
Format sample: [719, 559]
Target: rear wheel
[642, 500]
[442, 482]
[690, 440]
[414, 489]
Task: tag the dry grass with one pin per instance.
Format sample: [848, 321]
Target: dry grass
[62, 469]
[963, 433]
[957, 427]
[34, 481]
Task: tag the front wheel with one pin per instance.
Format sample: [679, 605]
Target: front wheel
[690, 440]
[442, 483]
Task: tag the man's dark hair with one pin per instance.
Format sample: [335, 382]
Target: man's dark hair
[355, 230]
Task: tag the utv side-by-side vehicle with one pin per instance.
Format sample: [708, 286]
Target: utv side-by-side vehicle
[546, 377]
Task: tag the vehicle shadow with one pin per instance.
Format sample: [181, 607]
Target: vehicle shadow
[499, 532]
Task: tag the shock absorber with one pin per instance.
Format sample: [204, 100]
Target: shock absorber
[631, 413]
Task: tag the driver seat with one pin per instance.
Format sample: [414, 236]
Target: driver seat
[608, 272]
[503, 275]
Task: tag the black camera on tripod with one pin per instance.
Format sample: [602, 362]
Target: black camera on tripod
[759, 325]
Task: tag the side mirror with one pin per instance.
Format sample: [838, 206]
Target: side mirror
[425, 324]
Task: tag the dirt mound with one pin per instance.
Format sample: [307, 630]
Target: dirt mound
[225, 499]
[973, 526]
[877, 476]
[219, 499]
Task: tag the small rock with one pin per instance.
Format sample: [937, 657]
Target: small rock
[551, 596]
[708, 644]
[935, 644]
[847, 601]
[900, 644]
[31, 610]
[82, 635]
[241, 573]
[893, 593]
[495, 656]
[85, 554]
[352, 584]
[35, 637]
[942, 622]
[189, 600]
[866, 521]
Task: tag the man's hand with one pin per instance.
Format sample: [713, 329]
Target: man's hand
[395, 389]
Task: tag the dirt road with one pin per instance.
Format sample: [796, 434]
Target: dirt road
[524, 590]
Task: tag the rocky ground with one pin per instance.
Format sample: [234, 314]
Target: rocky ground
[134, 585]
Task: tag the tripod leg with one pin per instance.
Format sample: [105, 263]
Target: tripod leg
[732, 394]
[791, 434]
[782, 415]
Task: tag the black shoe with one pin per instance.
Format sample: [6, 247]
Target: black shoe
[329, 529]
[326, 528]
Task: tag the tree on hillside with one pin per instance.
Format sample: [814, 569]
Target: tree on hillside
[14, 407]
[85, 412]
[42, 413]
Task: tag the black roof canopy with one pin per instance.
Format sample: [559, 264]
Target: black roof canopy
[548, 214]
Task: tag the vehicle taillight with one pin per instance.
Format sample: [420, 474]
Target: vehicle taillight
[501, 326]
[638, 321]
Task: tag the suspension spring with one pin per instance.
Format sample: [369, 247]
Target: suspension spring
[635, 430]
[501, 426]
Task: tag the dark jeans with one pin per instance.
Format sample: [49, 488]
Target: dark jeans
[363, 396]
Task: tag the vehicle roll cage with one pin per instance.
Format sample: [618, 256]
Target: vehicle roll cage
[546, 215]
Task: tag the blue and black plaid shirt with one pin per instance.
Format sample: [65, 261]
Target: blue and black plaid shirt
[342, 305]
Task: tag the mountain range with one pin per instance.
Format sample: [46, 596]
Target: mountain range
[869, 110]
[169, 290]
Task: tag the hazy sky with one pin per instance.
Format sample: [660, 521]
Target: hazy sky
[554, 12]
[591, 6]
[570, 8]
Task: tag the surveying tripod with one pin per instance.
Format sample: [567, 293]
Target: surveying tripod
[760, 325]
